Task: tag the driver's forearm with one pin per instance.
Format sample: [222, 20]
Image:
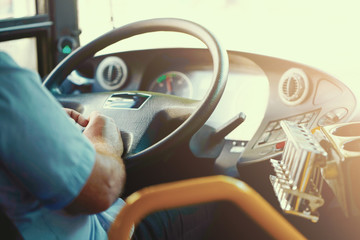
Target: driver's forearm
[104, 185]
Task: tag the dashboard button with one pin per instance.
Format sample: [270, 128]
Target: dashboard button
[280, 146]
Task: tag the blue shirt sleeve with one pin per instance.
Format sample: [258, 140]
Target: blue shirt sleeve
[39, 144]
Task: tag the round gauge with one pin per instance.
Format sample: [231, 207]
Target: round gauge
[174, 83]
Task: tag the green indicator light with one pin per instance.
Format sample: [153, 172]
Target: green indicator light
[161, 78]
[66, 49]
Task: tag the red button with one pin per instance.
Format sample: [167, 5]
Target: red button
[280, 145]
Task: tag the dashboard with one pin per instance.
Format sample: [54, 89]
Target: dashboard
[266, 89]
[268, 93]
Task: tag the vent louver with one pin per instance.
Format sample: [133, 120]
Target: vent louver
[111, 73]
[293, 86]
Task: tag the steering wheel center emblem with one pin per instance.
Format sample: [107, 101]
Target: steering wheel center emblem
[126, 100]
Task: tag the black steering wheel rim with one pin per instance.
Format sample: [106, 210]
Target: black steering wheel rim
[208, 104]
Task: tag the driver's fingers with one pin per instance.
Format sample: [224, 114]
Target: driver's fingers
[78, 118]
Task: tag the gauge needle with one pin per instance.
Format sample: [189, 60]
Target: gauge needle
[168, 85]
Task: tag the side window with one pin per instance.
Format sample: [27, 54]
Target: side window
[17, 8]
[25, 29]
[23, 51]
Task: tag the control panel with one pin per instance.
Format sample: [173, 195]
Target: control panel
[274, 133]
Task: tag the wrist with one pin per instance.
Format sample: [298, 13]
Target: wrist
[104, 148]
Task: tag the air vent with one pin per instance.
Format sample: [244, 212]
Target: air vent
[293, 86]
[111, 73]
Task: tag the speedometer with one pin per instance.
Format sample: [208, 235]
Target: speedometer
[174, 83]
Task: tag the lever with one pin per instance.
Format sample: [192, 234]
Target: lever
[208, 142]
[220, 133]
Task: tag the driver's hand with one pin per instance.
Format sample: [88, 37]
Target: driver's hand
[104, 134]
[77, 117]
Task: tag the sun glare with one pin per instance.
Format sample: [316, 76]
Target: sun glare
[319, 33]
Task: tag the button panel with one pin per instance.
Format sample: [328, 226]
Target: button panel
[274, 134]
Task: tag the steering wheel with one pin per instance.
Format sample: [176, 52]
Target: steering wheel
[141, 119]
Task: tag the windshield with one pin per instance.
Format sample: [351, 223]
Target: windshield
[319, 33]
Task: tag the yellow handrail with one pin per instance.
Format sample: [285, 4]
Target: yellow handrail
[200, 190]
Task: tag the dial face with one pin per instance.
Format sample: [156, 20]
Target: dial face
[174, 83]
